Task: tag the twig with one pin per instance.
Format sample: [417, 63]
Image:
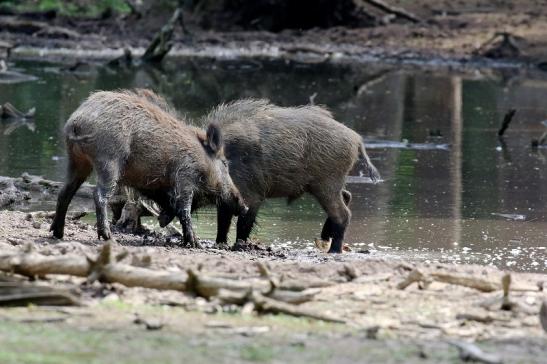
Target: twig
[471, 352]
[399, 12]
[265, 304]
[482, 285]
[506, 121]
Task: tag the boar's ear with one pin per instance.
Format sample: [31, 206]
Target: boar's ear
[213, 142]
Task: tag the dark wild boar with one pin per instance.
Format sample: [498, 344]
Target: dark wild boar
[284, 152]
[128, 137]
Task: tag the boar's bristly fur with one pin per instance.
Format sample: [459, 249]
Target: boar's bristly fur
[284, 152]
[133, 138]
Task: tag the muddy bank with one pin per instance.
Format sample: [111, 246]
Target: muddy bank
[448, 34]
[364, 290]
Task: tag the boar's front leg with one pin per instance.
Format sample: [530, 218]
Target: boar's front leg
[183, 207]
[245, 223]
[224, 221]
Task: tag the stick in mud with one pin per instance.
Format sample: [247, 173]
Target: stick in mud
[506, 121]
[399, 12]
[161, 44]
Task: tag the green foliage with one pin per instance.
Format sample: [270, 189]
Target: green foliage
[82, 8]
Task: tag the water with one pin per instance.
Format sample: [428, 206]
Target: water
[440, 205]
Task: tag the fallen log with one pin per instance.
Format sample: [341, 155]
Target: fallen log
[398, 12]
[263, 293]
[15, 292]
[269, 305]
[103, 268]
[471, 352]
[9, 194]
[31, 183]
[479, 284]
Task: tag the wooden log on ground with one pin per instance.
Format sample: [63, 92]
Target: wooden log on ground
[20, 293]
[269, 305]
[479, 284]
[207, 286]
[103, 268]
[31, 183]
[398, 12]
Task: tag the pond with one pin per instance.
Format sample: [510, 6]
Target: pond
[473, 200]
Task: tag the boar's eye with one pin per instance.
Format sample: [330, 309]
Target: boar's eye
[224, 162]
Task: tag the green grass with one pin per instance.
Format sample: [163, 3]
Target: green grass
[86, 9]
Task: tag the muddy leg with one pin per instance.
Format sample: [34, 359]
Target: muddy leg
[338, 213]
[107, 178]
[326, 233]
[77, 174]
[224, 220]
[184, 209]
[245, 223]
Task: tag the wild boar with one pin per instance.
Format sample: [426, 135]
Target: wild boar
[128, 138]
[284, 152]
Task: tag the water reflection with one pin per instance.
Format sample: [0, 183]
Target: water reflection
[442, 204]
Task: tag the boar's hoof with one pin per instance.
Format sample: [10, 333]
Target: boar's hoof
[336, 249]
[104, 233]
[323, 245]
[57, 230]
[195, 244]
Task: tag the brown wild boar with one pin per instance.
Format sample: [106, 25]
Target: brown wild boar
[284, 152]
[131, 139]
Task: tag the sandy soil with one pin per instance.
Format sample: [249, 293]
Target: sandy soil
[362, 290]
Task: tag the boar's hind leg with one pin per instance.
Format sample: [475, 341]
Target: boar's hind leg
[338, 214]
[326, 233]
[77, 173]
[224, 220]
[107, 179]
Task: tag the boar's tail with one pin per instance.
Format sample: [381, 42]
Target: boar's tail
[71, 135]
[369, 167]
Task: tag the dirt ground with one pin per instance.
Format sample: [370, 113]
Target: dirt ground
[383, 323]
[454, 33]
